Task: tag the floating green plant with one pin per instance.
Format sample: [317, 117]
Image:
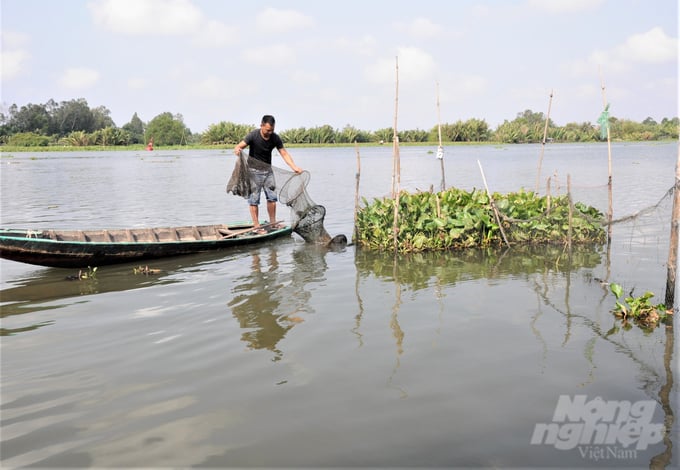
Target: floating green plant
[456, 218]
[146, 270]
[91, 273]
[640, 309]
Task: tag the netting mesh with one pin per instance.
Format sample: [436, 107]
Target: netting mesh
[291, 189]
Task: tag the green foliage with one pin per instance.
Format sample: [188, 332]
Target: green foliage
[640, 309]
[625, 129]
[33, 118]
[59, 120]
[322, 135]
[111, 136]
[456, 218]
[350, 135]
[416, 135]
[135, 128]
[56, 119]
[74, 115]
[77, 139]
[527, 127]
[28, 139]
[225, 133]
[166, 129]
[472, 130]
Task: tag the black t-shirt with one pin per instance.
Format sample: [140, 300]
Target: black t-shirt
[262, 149]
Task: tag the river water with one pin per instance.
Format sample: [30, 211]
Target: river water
[287, 354]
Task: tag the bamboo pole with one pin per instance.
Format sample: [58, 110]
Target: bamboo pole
[493, 206]
[396, 169]
[440, 149]
[545, 136]
[356, 191]
[571, 211]
[675, 240]
[610, 210]
[667, 400]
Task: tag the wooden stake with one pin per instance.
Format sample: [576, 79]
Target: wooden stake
[675, 240]
[356, 191]
[493, 206]
[610, 210]
[545, 135]
[571, 212]
[396, 170]
[440, 149]
[395, 137]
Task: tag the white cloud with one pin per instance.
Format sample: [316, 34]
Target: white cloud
[275, 55]
[215, 88]
[216, 34]
[12, 40]
[78, 78]
[137, 83]
[421, 28]
[304, 77]
[14, 54]
[365, 45]
[565, 6]
[414, 65]
[274, 20]
[653, 46]
[162, 17]
[146, 16]
[13, 63]
[471, 84]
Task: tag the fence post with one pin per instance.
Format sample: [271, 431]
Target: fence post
[673, 249]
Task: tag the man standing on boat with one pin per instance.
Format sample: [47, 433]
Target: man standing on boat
[262, 141]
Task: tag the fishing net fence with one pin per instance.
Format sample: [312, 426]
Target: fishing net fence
[641, 212]
[307, 217]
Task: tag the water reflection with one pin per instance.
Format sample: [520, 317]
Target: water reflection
[418, 270]
[437, 273]
[44, 288]
[255, 304]
[272, 297]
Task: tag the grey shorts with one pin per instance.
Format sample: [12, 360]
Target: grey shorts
[262, 180]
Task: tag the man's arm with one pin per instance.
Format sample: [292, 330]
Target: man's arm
[240, 146]
[289, 160]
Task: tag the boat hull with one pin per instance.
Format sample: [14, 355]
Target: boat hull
[81, 249]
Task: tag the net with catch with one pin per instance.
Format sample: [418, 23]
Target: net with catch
[291, 189]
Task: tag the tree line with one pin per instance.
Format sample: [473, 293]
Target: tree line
[75, 123]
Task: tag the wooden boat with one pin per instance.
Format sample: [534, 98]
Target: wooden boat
[83, 248]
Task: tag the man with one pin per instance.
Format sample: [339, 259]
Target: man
[262, 141]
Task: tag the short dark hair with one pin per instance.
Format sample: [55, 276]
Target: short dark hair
[268, 119]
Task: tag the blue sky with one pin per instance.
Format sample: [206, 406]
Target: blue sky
[312, 63]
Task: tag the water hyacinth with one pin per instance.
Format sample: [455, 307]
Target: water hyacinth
[455, 218]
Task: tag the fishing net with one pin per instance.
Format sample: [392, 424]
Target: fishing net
[291, 189]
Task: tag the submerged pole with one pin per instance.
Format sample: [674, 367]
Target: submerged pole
[675, 239]
[545, 136]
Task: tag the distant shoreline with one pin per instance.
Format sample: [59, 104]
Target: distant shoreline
[228, 147]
